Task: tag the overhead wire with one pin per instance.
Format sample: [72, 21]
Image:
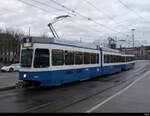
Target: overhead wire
[32, 5]
[89, 30]
[27, 3]
[89, 19]
[50, 6]
[69, 10]
[127, 7]
[99, 10]
[75, 13]
[132, 10]
[72, 12]
[89, 3]
[57, 9]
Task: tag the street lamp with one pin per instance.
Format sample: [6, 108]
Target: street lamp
[50, 25]
[133, 36]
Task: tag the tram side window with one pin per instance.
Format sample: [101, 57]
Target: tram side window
[127, 58]
[107, 58]
[133, 58]
[78, 58]
[93, 58]
[87, 58]
[69, 58]
[130, 59]
[113, 59]
[119, 58]
[97, 58]
[57, 57]
[116, 59]
[41, 59]
[123, 59]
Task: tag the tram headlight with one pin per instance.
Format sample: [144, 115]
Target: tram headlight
[25, 76]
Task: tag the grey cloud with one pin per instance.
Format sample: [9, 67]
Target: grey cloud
[111, 14]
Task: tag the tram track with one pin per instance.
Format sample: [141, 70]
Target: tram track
[93, 95]
[129, 81]
[19, 91]
[117, 79]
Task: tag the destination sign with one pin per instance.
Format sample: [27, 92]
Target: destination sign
[27, 42]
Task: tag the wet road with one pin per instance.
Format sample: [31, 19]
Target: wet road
[83, 96]
[8, 79]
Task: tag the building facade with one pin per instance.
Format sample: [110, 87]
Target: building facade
[141, 53]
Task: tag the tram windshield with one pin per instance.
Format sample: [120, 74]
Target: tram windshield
[26, 58]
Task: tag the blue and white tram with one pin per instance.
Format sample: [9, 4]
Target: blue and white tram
[53, 64]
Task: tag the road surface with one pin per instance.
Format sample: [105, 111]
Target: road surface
[127, 91]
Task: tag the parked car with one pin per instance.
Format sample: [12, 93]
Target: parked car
[10, 68]
[1, 66]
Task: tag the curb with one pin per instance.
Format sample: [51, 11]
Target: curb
[7, 88]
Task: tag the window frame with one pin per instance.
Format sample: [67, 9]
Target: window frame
[89, 60]
[73, 53]
[31, 63]
[77, 53]
[49, 53]
[63, 56]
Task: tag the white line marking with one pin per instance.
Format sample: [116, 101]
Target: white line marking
[110, 98]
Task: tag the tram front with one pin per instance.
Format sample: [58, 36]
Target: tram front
[34, 61]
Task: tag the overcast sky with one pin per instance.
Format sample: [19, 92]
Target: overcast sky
[108, 18]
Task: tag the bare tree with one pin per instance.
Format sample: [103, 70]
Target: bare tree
[10, 41]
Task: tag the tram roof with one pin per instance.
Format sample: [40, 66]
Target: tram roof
[72, 43]
[64, 42]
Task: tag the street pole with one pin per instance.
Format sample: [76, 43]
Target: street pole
[80, 40]
[133, 36]
[134, 49]
[29, 31]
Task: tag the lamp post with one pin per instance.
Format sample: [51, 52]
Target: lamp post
[133, 36]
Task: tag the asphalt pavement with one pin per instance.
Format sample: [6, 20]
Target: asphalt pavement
[8, 80]
[133, 98]
[127, 91]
